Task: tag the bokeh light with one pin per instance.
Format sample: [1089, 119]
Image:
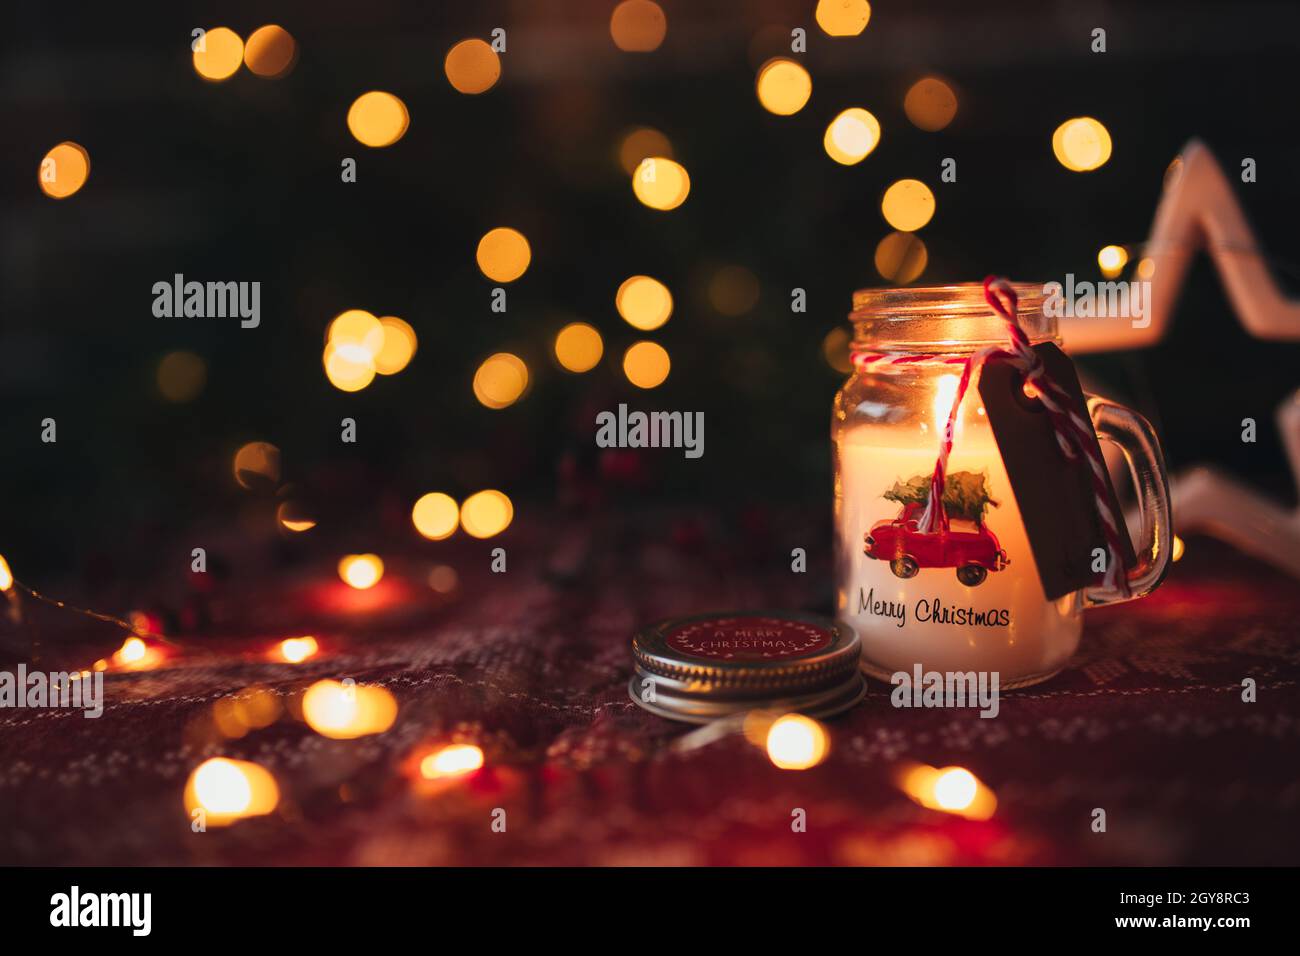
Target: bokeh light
[503, 254]
[640, 143]
[796, 742]
[578, 347]
[229, 790]
[136, 655]
[295, 516]
[6, 575]
[181, 376]
[398, 348]
[733, 290]
[930, 104]
[257, 466]
[835, 349]
[661, 183]
[270, 52]
[343, 711]
[378, 119]
[951, 790]
[356, 327]
[643, 302]
[361, 571]
[851, 136]
[221, 56]
[295, 650]
[436, 515]
[472, 66]
[486, 513]
[443, 579]
[843, 18]
[783, 86]
[901, 257]
[646, 364]
[64, 170]
[1178, 550]
[638, 26]
[451, 761]
[1112, 260]
[907, 205]
[501, 380]
[1081, 144]
[349, 367]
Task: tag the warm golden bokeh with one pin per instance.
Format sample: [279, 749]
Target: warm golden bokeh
[181, 376]
[221, 791]
[1081, 144]
[486, 513]
[639, 144]
[733, 290]
[851, 136]
[451, 761]
[436, 515]
[6, 575]
[136, 655]
[378, 119]
[578, 347]
[361, 571]
[501, 380]
[638, 26]
[930, 104]
[1112, 260]
[643, 302]
[835, 349]
[472, 66]
[661, 183]
[907, 205]
[270, 52]
[221, 56]
[398, 348]
[295, 650]
[294, 516]
[796, 742]
[64, 170]
[843, 18]
[901, 257]
[503, 254]
[783, 86]
[951, 790]
[349, 367]
[343, 710]
[646, 364]
[356, 327]
[257, 466]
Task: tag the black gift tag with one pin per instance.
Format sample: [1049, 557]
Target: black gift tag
[1054, 493]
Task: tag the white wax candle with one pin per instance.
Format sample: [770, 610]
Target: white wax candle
[1004, 623]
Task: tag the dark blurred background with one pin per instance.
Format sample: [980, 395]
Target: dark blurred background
[240, 181]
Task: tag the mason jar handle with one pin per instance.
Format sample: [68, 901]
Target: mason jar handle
[1146, 463]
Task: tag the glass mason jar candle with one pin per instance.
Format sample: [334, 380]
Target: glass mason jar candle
[967, 598]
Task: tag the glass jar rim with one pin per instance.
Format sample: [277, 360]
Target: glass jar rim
[944, 317]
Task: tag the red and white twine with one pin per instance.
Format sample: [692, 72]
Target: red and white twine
[1074, 433]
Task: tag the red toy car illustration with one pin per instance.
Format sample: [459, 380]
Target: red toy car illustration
[967, 545]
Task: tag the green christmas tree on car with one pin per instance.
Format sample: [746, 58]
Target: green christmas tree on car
[965, 544]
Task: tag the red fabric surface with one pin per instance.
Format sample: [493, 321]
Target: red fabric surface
[1148, 723]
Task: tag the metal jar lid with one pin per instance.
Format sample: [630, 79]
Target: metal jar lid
[707, 666]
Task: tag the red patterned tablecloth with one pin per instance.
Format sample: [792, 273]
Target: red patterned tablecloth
[1148, 723]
